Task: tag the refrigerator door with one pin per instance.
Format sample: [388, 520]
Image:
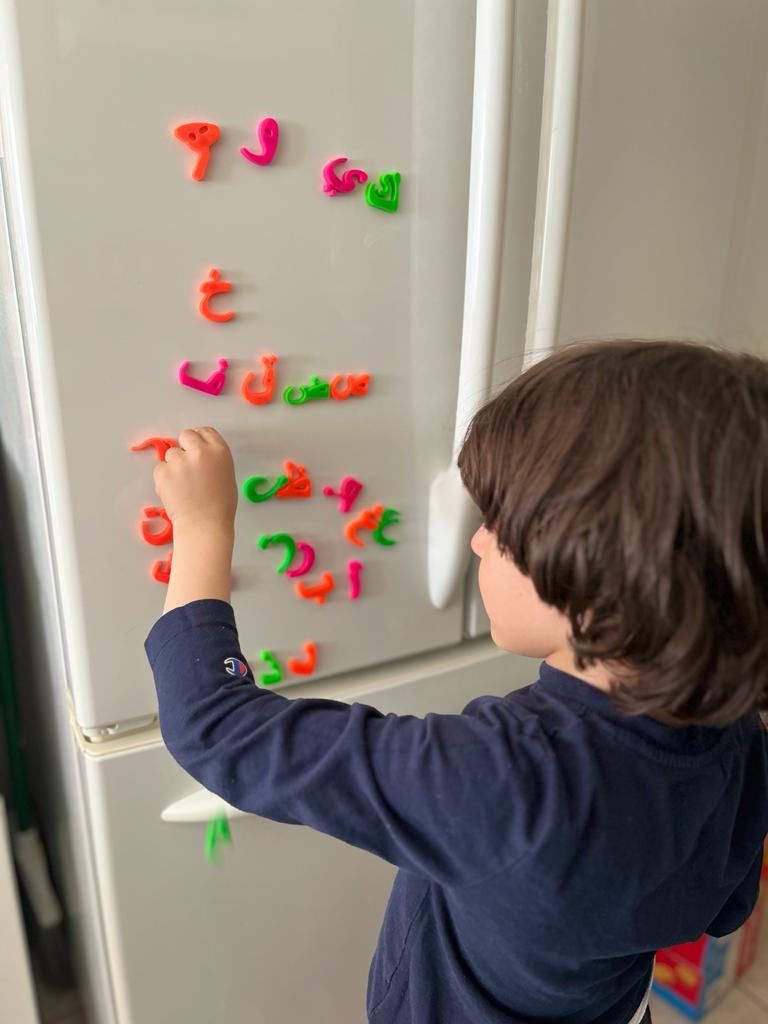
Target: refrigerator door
[654, 224]
[112, 239]
[665, 220]
[744, 304]
[283, 926]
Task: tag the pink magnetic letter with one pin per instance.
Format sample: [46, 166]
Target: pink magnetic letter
[269, 133]
[332, 183]
[309, 559]
[353, 572]
[349, 488]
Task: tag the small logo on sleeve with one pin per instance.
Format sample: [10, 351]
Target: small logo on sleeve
[235, 667]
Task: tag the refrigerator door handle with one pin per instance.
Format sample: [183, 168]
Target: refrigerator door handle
[562, 67]
[452, 515]
[200, 807]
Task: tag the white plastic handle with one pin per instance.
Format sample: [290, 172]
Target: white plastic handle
[553, 190]
[452, 516]
[200, 807]
[451, 512]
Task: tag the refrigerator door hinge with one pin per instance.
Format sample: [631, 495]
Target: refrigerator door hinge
[102, 733]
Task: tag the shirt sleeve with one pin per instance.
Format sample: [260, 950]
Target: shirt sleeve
[421, 793]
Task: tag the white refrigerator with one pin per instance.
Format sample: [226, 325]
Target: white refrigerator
[566, 170]
[112, 227]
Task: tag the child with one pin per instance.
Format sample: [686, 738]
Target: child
[551, 840]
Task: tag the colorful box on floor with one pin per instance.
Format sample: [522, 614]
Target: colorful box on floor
[696, 975]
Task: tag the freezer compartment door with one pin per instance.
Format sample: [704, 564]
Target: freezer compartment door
[283, 927]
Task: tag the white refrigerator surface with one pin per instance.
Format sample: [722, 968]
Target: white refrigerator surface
[636, 145]
[284, 925]
[113, 239]
[106, 242]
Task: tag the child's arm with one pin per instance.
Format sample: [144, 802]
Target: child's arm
[202, 563]
[422, 793]
[196, 483]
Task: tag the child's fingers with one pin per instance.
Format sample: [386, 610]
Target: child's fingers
[189, 439]
[211, 434]
[157, 476]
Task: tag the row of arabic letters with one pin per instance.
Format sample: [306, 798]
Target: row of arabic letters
[375, 519]
[293, 483]
[292, 547]
[348, 492]
[383, 196]
[339, 388]
[298, 666]
[318, 591]
[201, 136]
[307, 553]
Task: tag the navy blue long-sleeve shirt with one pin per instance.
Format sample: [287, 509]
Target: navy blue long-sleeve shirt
[548, 844]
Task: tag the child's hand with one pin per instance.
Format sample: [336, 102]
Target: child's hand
[196, 483]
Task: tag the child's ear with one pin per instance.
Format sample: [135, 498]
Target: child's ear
[479, 541]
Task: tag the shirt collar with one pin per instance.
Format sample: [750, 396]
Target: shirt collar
[690, 739]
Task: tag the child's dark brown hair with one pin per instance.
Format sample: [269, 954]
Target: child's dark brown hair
[629, 481]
